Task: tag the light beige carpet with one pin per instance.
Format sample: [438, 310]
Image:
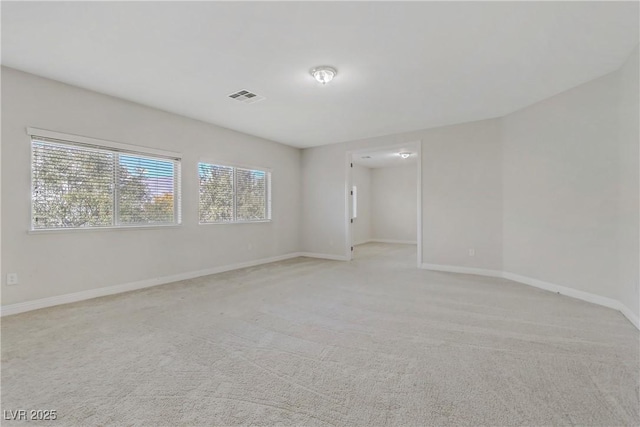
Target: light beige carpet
[373, 342]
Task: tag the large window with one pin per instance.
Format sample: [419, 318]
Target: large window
[80, 185]
[233, 194]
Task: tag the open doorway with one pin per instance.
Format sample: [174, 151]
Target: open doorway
[384, 199]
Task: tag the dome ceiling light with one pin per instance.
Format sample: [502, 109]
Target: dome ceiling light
[324, 74]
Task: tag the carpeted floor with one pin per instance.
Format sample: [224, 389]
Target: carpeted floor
[373, 342]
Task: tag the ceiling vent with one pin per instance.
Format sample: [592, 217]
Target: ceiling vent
[246, 97]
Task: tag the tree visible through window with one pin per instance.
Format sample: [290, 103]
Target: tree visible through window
[216, 193]
[74, 186]
[231, 194]
[145, 190]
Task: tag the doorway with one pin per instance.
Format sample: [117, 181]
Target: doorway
[384, 203]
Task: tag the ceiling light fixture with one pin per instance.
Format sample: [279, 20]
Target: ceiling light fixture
[324, 74]
[404, 155]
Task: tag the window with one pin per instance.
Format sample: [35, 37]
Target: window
[233, 194]
[80, 185]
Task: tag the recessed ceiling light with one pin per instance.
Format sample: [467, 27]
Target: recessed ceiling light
[323, 74]
[404, 155]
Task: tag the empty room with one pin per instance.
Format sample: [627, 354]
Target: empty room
[320, 213]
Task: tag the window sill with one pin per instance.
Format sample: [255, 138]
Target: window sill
[89, 229]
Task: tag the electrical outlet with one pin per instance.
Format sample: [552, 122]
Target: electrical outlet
[12, 278]
[472, 252]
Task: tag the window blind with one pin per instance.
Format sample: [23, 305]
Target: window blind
[251, 195]
[146, 190]
[79, 186]
[232, 194]
[216, 193]
[72, 186]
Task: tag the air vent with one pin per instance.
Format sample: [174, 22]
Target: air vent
[246, 96]
[366, 157]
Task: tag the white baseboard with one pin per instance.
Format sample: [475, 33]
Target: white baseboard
[362, 242]
[402, 242]
[563, 290]
[626, 311]
[22, 307]
[323, 256]
[574, 293]
[463, 270]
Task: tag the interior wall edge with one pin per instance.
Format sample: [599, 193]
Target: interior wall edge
[21, 307]
[462, 270]
[399, 242]
[362, 242]
[332, 257]
[551, 287]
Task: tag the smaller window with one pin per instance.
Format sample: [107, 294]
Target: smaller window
[231, 194]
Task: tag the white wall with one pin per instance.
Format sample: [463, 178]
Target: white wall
[462, 190]
[629, 186]
[570, 188]
[560, 189]
[548, 193]
[462, 196]
[394, 204]
[361, 178]
[58, 263]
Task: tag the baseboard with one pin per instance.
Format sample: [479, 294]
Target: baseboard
[362, 242]
[626, 311]
[323, 256]
[562, 290]
[463, 270]
[22, 307]
[574, 293]
[402, 242]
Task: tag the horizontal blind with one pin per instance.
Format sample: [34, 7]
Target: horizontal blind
[129, 150]
[233, 194]
[146, 190]
[216, 193]
[72, 187]
[251, 195]
[76, 186]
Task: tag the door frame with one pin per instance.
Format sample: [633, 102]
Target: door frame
[348, 204]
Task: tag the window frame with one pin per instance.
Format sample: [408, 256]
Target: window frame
[268, 191]
[116, 149]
